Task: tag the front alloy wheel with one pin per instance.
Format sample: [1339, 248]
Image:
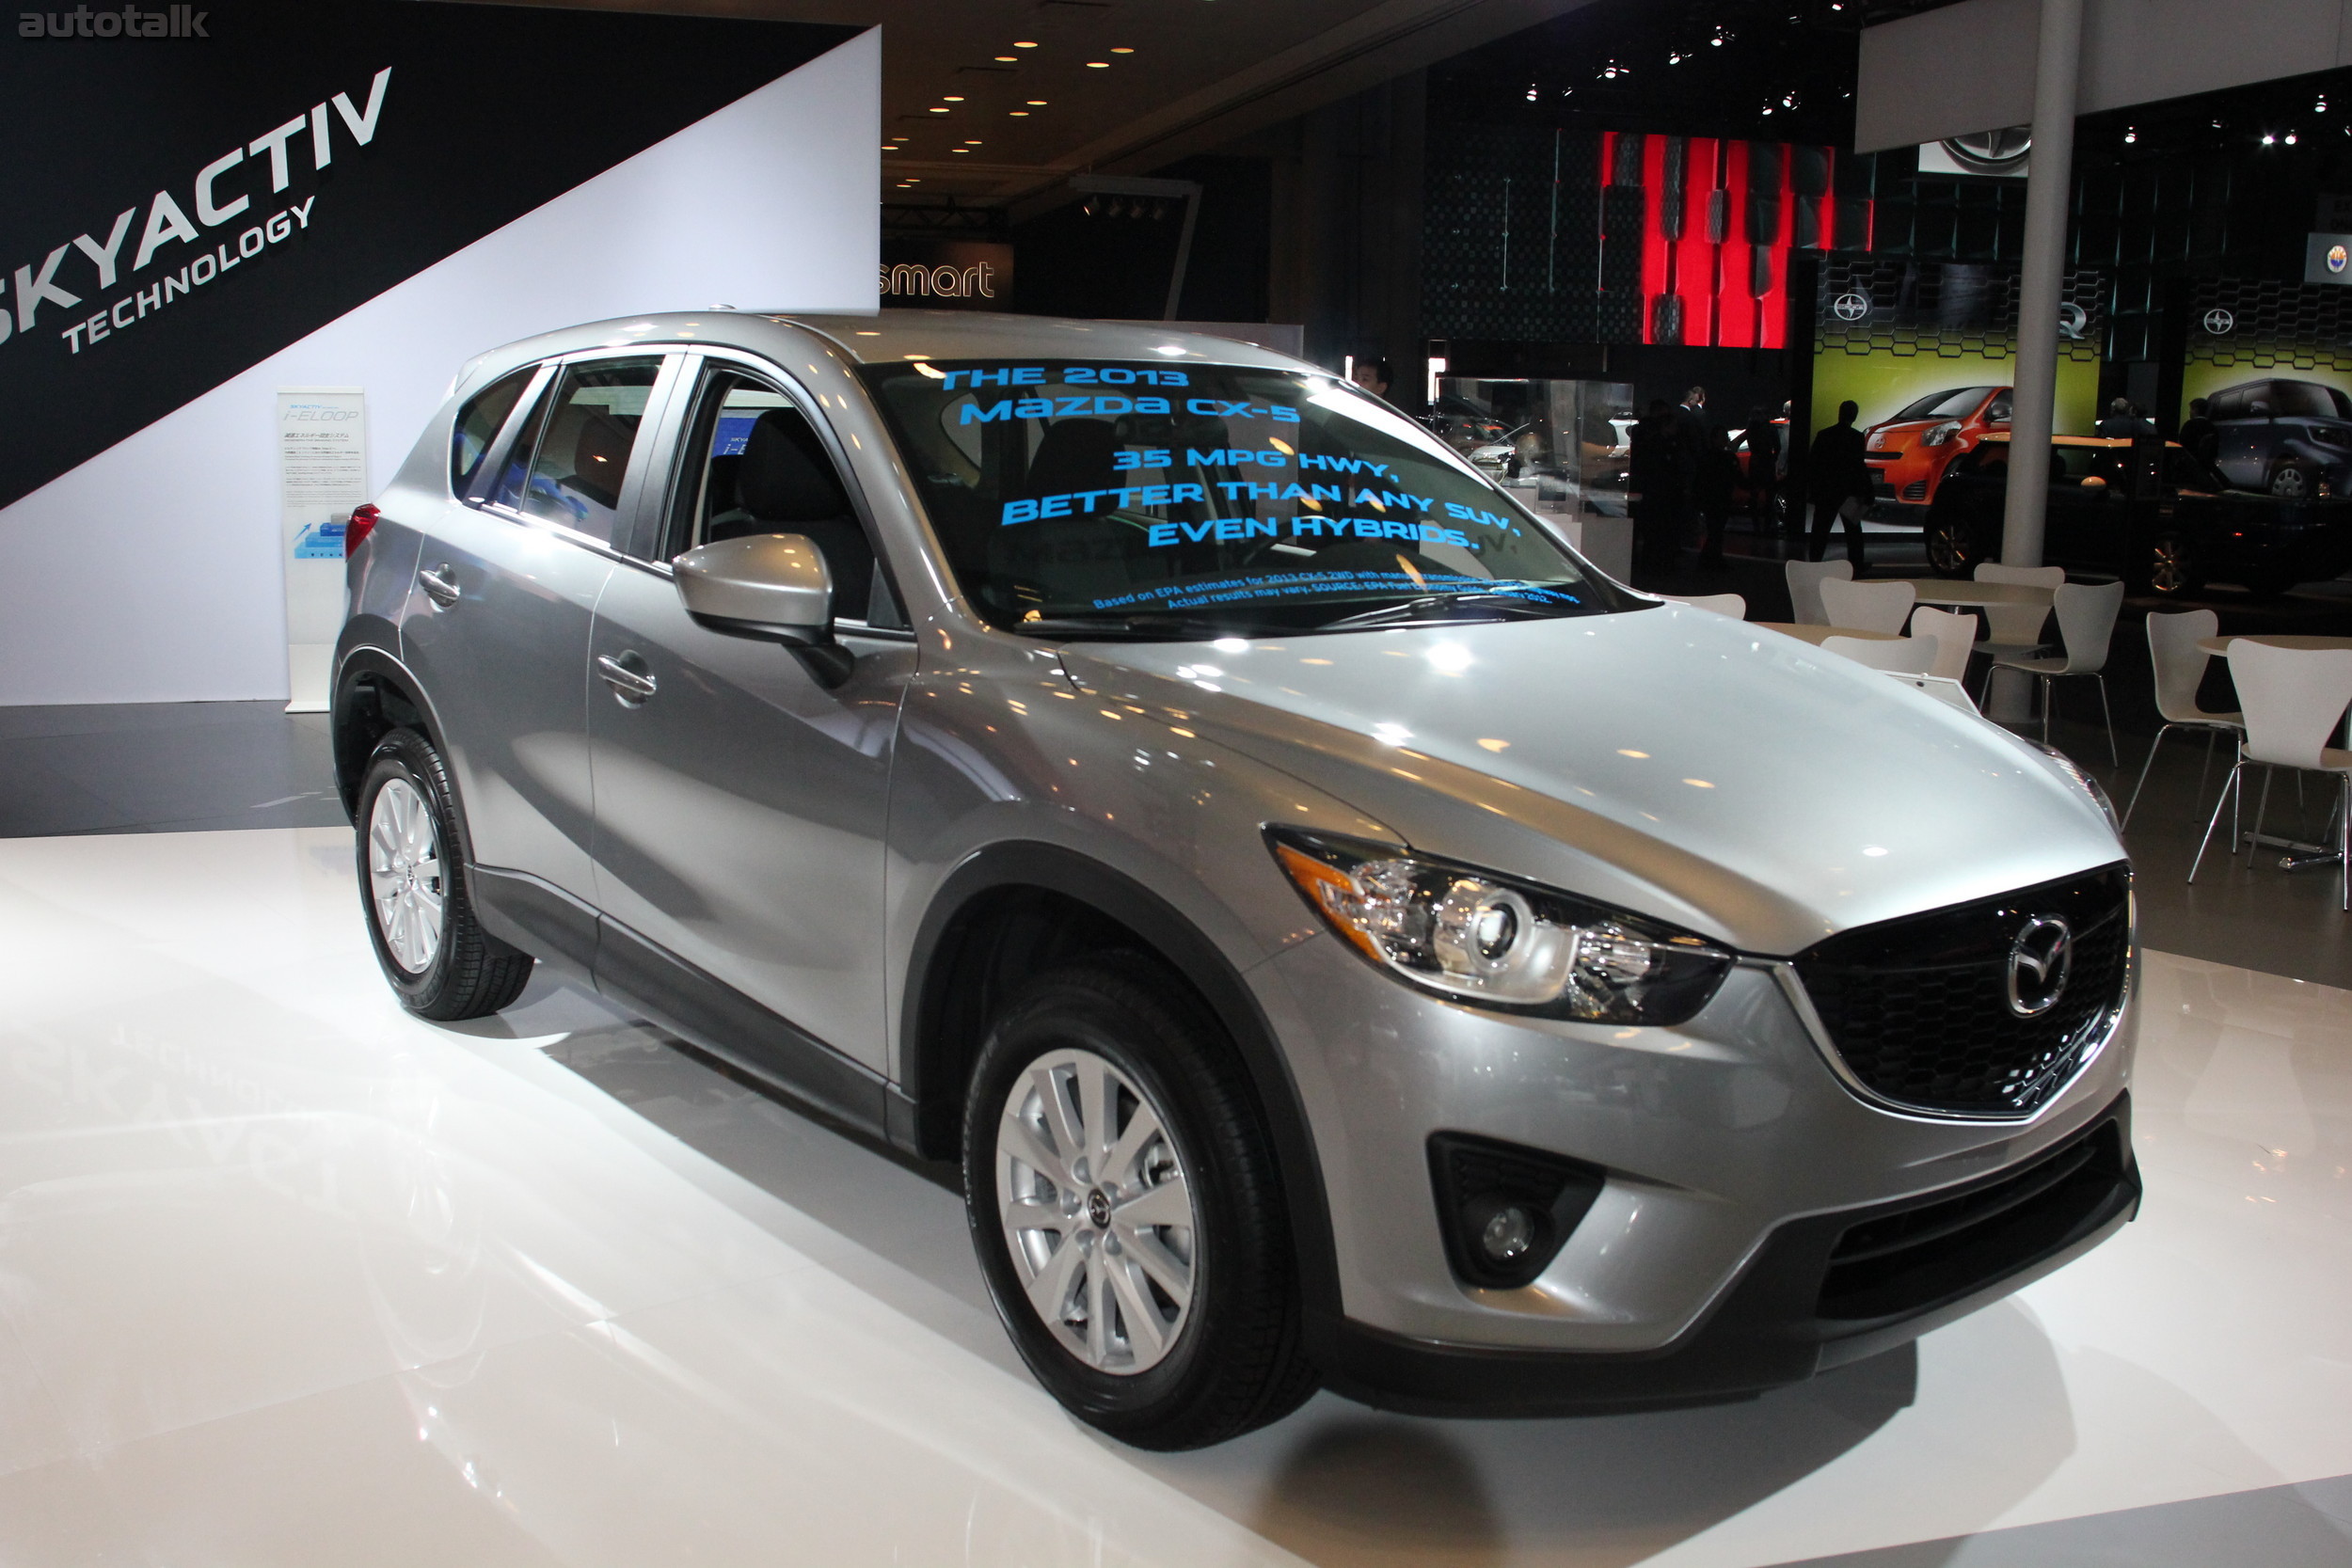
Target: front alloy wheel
[1952, 551]
[1097, 1210]
[2171, 567]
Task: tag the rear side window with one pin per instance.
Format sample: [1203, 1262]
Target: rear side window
[478, 425]
[586, 440]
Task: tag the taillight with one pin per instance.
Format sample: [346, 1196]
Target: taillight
[363, 520]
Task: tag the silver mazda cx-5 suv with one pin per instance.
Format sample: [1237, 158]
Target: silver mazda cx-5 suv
[1345, 939]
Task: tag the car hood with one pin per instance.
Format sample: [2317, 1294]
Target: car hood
[1691, 767]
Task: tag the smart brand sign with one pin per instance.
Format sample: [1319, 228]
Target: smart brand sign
[175, 216]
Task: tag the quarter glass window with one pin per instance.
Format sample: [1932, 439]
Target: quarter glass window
[478, 425]
[582, 457]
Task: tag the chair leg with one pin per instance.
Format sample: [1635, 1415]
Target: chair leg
[2343, 841]
[2114, 756]
[2262, 809]
[2153, 747]
[2204, 769]
[2230, 787]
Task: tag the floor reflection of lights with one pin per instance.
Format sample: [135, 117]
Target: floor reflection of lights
[287, 1276]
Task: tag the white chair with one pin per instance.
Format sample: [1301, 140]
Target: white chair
[2180, 666]
[1804, 588]
[1900, 656]
[1866, 605]
[2086, 618]
[2293, 700]
[2015, 628]
[1955, 634]
[1715, 604]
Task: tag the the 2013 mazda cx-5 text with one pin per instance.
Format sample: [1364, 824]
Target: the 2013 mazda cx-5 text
[1345, 939]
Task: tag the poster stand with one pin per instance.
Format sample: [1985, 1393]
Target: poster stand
[322, 474]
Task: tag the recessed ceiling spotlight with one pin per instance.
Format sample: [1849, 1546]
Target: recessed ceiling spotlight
[959, 150]
[2131, 134]
[1007, 59]
[1018, 114]
[970, 141]
[2290, 138]
[938, 109]
[898, 138]
[1120, 49]
[950, 97]
[1037, 103]
[1025, 46]
[2268, 138]
[1098, 65]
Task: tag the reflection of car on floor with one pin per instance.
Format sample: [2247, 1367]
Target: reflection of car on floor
[2184, 529]
[1074, 750]
[1909, 453]
[2292, 438]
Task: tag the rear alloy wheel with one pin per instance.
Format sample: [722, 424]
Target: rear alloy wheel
[2292, 482]
[412, 882]
[1123, 1200]
[2173, 570]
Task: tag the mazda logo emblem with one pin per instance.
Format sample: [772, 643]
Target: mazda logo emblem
[2038, 962]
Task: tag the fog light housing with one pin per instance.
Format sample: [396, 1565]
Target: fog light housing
[1503, 1210]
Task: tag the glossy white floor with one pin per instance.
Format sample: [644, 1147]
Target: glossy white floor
[288, 1277]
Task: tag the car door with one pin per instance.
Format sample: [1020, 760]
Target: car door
[2241, 453]
[496, 628]
[741, 792]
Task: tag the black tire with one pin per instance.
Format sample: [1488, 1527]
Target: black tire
[2293, 481]
[2173, 568]
[1235, 1361]
[468, 972]
[1954, 549]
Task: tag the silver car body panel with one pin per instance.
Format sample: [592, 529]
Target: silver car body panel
[1686, 766]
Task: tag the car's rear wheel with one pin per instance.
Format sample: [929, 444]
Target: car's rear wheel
[1953, 548]
[2291, 480]
[412, 881]
[2172, 569]
[1123, 1203]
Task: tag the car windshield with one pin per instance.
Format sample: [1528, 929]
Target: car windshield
[1946, 405]
[2308, 400]
[1164, 499]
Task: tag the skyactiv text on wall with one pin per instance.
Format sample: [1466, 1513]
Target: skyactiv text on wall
[190, 191]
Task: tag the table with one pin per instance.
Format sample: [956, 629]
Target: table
[1962, 592]
[1815, 634]
[2298, 854]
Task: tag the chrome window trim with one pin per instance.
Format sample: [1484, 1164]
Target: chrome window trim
[1784, 971]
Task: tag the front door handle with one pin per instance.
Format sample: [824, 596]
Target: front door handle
[438, 583]
[632, 685]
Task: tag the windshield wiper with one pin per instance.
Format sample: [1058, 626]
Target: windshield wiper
[1148, 625]
[1505, 601]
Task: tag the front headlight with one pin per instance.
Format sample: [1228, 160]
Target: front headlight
[2083, 781]
[1505, 944]
[1946, 431]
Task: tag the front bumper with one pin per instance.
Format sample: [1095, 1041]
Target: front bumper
[1736, 1161]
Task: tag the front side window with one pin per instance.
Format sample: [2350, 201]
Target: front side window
[479, 423]
[587, 430]
[1095, 492]
[752, 462]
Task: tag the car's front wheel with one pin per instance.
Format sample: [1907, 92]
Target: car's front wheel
[2291, 480]
[1953, 548]
[1123, 1202]
[412, 881]
[2172, 569]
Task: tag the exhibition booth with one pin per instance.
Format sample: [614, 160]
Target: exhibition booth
[1551, 784]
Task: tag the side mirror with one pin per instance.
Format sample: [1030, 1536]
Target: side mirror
[775, 586]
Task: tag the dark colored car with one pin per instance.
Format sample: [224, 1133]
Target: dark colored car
[2168, 528]
[2293, 439]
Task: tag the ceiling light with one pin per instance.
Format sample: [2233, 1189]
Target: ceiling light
[898, 138]
[1120, 49]
[1098, 65]
[1007, 59]
[959, 149]
[2290, 138]
[950, 97]
[970, 141]
[1037, 103]
[1019, 114]
[2267, 140]
[937, 110]
[1025, 46]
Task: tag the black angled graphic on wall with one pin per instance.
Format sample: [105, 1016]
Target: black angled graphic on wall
[180, 204]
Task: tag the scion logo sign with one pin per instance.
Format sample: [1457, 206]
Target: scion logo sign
[173, 22]
[175, 216]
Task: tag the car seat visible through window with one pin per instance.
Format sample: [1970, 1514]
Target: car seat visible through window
[784, 482]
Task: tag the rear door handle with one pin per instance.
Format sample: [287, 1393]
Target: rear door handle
[438, 584]
[628, 677]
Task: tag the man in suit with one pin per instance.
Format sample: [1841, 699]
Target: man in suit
[2199, 433]
[1761, 443]
[1839, 484]
[1655, 488]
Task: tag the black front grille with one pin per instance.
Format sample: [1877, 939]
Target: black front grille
[1915, 491]
[1919, 1009]
[1912, 1259]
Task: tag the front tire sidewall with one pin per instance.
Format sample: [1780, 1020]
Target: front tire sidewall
[407, 756]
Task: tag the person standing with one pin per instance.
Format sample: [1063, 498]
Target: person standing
[1839, 480]
[2199, 433]
[2123, 422]
[1374, 376]
[1654, 487]
[1761, 443]
[1718, 479]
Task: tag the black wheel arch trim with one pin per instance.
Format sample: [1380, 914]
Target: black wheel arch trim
[916, 1104]
[358, 664]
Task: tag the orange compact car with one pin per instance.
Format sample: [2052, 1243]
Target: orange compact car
[1909, 453]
